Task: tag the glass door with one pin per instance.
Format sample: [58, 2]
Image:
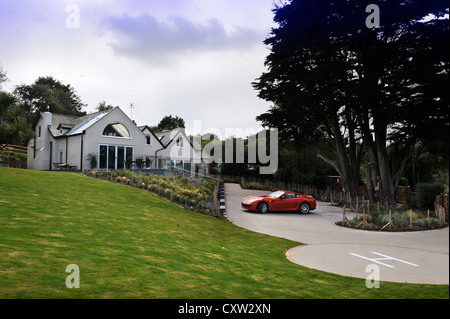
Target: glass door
[112, 157]
[115, 157]
[129, 156]
[103, 157]
[120, 157]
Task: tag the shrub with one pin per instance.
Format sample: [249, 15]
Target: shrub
[183, 190]
[426, 194]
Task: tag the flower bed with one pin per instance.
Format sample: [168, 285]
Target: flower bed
[396, 221]
[195, 194]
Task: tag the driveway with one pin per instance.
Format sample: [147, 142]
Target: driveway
[413, 257]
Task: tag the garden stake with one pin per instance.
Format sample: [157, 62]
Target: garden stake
[410, 219]
[364, 223]
[364, 216]
[390, 222]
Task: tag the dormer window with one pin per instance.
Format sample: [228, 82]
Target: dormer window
[116, 130]
[180, 141]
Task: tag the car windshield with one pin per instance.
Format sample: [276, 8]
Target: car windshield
[276, 194]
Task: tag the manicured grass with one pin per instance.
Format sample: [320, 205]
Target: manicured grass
[129, 243]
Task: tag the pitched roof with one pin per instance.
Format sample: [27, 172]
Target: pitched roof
[164, 137]
[74, 124]
[167, 137]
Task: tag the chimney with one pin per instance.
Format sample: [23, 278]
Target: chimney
[46, 138]
[46, 122]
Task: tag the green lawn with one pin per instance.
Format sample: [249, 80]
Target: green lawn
[128, 243]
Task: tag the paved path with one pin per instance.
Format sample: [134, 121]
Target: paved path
[413, 257]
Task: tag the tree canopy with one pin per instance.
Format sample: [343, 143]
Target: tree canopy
[169, 123]
[332, 78]
[47, 91]
[19, 108]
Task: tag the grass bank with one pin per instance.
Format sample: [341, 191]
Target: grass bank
[129, 243]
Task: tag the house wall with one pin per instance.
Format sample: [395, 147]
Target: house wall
[177, 155]
[39, 148]
[75, 149]
[93, 137]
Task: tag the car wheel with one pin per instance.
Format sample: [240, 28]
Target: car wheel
[263, 208]
[304, 208]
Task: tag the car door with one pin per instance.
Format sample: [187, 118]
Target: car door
[277, 204]
[290, 202]
[285, 202]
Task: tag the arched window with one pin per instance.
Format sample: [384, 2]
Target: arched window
[116, 130]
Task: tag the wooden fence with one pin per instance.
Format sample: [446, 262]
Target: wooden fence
[441, 204]
[13, 155]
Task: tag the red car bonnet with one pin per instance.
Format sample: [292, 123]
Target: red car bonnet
[250, 199]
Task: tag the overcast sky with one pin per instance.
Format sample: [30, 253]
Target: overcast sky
[192, 58]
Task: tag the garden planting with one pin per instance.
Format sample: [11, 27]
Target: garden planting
[195, 194]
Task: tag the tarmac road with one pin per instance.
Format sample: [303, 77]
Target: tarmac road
[412, 257]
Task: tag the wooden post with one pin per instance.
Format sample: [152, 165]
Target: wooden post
[344, 217]
[390, 220]
[364, 223]
[428, 218]
[357, 204]
[389, 223]
[410, 219]
[364, 218]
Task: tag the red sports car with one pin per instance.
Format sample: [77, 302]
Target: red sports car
[280, 201]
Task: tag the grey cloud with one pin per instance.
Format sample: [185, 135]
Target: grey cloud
[147, 37]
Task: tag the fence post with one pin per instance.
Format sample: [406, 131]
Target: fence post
[390, 220]
[410, 219]
[443, 201]
[364, 219]
[357, 203]
[389, 223]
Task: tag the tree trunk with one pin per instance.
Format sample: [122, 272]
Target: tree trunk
[370, 156]
[348, 178]
[387, 190]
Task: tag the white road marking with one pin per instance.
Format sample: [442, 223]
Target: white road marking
[385, 257]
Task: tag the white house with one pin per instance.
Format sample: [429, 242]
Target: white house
[112, 140]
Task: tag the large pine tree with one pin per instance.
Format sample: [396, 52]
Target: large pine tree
[330, 76]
